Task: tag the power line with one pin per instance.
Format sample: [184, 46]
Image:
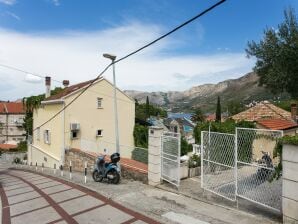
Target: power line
[132, 53]
[29, 73]
[90, 84]
[172, 31]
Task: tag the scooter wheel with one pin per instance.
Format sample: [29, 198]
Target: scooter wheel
[116, 176]
[96, 176]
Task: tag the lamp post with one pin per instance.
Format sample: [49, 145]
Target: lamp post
[113, 57]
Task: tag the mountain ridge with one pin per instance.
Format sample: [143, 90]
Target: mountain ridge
[243, 90]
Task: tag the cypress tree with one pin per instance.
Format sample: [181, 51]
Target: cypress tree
[147, 107]
[218, 111]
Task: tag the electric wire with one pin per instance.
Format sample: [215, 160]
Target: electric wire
[129, 55]
[29, 73]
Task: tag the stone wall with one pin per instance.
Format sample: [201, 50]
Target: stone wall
[78, 159]
[290, 184]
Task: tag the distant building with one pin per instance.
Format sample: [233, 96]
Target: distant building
[269, 116]
[181, 125]
[12, 116]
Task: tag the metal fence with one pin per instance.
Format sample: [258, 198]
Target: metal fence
[255, 167]
[196, 149]
[170, 158]
[218, 164]
[241, 165]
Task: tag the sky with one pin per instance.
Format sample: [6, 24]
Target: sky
[65, 39]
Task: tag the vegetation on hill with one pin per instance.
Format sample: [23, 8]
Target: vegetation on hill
[142, 113]
[145, 110]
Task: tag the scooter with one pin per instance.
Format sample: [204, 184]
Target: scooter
[109, 171]
[265, 167]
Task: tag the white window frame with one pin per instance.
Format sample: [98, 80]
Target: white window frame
[97, 132]
[99, 102]
[47, 136]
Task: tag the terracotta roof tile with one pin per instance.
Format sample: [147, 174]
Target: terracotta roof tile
[277, 124]
[263, 110]
[69, 90]
[11, 108]
[7, 146]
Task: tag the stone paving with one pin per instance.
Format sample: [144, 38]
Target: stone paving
[32, 198]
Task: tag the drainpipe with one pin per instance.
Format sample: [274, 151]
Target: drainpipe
[63, 136]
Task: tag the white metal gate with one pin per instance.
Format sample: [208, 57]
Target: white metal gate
[170, 158]
[218, 164]
[232, 165]
[254, 178]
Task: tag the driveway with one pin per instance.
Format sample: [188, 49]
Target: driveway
[32, 198]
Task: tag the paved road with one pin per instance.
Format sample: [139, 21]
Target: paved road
[33, 198]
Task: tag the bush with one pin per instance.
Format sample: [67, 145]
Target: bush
[194, 161]
[140, 154]
[185, 147]
[140, 135]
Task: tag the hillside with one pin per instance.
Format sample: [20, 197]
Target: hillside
[244, 90]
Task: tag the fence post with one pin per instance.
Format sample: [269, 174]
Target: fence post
[236, 166]
[202, 160]
[54, 168]
[154, 155]
[70, 170]
[42, 165]
[85, 172]
[36, 166]
[61, 170]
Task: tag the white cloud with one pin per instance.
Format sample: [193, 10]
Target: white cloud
[8, 2]
[56, 2]
[77, 56]
[13, 15]
[33, 79]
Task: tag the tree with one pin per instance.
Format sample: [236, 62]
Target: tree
[235, 107]
[185, 147]
[31, 103]
[228, 126]
[277, 56]
[140, 135]
[218, 110]
[147, 107]
[198, 116]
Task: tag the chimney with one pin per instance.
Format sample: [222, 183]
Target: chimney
[65, 83]
[294, 111]
[48, 86]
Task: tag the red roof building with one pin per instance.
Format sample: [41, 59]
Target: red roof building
[11, 122]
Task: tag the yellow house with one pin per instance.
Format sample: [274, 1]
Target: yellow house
[87, 124]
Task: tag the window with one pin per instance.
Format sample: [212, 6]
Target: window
[38, 134]
[47, 137]
[99, 102]
[74, 134]
[99, 132]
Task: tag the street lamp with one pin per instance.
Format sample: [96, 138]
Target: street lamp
[113, 57]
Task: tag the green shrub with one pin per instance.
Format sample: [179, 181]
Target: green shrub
[140, 135]
[194, 161]
[140, 154]
[292, 140]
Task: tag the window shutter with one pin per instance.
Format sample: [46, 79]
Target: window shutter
[49, 137]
